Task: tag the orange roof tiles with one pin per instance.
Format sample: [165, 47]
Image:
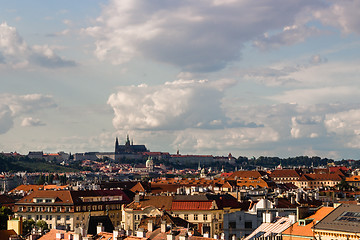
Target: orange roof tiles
[163, 202]
[246, 174]
[306, 231]
[26, 188]
[190, 205]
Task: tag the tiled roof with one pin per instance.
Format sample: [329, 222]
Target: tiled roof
[5, 234]
[51, 235]
[62, 197]
[284, 173]
[305, 230]
[353, 179]
[318, 177]
[161, 202]
[76, 195]
[189, 205]
[6, 200]
[26, 188]
[247, 174]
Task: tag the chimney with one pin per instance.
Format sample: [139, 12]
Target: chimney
[141, 233]
[316, 195]
[298, 196]
[184, 237]
[292, 200]
[170, 236]
[77, 236]
[59, 235]
[99, 228]
[150, 226]
[267, 217]
[163, 226]
[129, 232]
[137, 198]
[115, 234]
[292, 218]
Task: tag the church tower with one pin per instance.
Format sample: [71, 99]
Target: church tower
[116, 145]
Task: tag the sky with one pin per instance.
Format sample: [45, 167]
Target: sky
[250, 78]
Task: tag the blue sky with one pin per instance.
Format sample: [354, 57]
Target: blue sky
[251, 78]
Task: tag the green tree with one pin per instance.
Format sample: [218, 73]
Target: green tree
[27, 226]
[42, 225]
[41, 180]
[5, 212]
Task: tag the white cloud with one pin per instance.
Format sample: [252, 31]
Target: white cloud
[23, 104]
[175, 105]
[289, 36]
[334, 94]
[13, 106]
[6, 119]
[15, 52]
[31, 122]
[341, 14]
[195, 36]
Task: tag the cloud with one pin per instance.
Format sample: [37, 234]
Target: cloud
[319, 95]
[6, 119]
[193, 35]
[31, 122]
[15, 52]
[341, 14]
[23, 104]
[174, 105]
[289, 36]
[14, 106]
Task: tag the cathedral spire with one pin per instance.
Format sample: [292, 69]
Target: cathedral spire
[116, 144]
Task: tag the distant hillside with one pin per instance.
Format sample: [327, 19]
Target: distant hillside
[22, 163]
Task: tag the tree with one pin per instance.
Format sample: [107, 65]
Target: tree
[5, 212]
[42, 225]
[41, 180]
[27, 226]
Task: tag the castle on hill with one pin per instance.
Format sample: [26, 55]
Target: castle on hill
[129, 148]
[128, 151]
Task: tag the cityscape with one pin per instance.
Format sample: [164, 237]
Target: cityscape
[180, 120]
[134, 193]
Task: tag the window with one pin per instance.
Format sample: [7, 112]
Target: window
[248, 224]
[220, 216]
[176, 215]
[67, 218]
[195, 217]
[205, 217]
[58, 217]
[186, 216]
[50, 217]
[232, 225]
[29, 217]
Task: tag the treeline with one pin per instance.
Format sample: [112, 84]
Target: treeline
[271, 162]
[24, 163]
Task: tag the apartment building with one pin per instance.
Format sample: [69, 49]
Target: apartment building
[64, 209]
